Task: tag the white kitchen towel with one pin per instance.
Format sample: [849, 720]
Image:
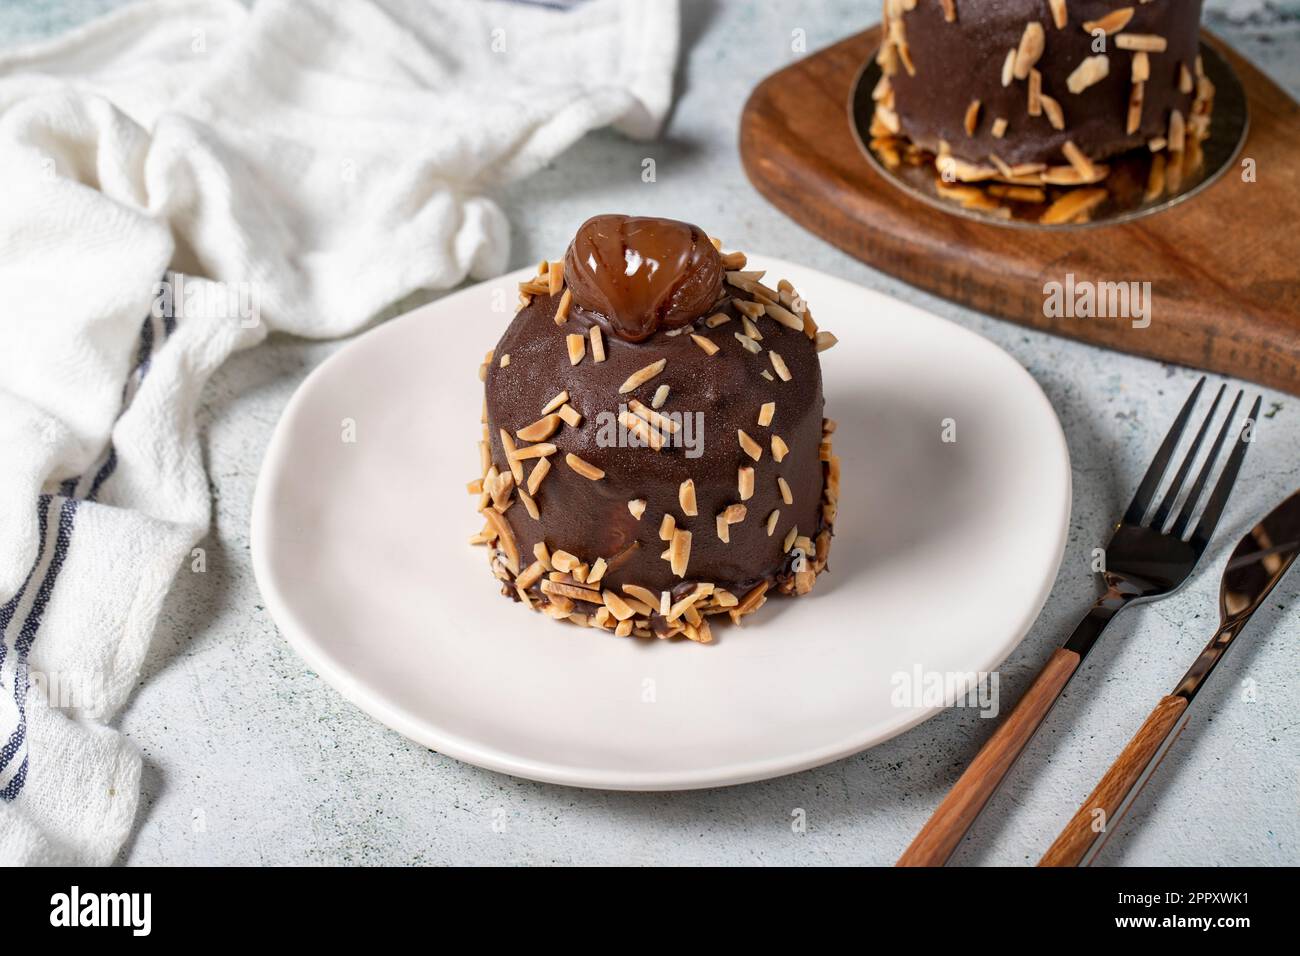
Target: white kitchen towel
[176, 180]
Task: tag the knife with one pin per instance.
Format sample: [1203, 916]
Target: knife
[1259, 561]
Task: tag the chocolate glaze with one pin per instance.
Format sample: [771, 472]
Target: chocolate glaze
[960, 62]
[590, 519]
[640, 274]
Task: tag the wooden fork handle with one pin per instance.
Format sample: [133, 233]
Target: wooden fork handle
[1122, 782]
[945, 829]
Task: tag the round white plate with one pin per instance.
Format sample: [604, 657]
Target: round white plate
[944, 553]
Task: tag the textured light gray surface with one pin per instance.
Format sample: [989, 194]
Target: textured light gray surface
[250, 758]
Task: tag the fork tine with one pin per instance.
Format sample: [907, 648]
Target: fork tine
[1171, 496]
[1219, 498]
[1189, 506]
[1137, 508]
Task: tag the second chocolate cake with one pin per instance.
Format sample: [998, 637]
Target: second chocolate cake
[654, 446]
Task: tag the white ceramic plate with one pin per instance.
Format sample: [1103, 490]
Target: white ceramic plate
[944, 553]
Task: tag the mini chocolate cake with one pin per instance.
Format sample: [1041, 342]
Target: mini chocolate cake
[1037, 93]
[654, 450]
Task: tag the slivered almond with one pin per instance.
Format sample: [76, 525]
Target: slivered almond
[766, 411]
[745, 482]
[562, 309]
[597, 344]
[1074, 203]
[641, 376]
[825, 340]
[772, 519]
[1009, 67]
[708, 347]
[779, 448]
[1060, 15]
[538, 473]
[598, 569]
[751, 448]
[571, 591]
[512, 455]
[1034, 104]
[584, 468]
[1148, 42]
[686, 497]
[667, 525]
[750, 344]
[790, 537]
[723, 527]
[529, 505]
[644, 595]
[650, 437]
[577, 347]
[1079, 161]
[1031, 46]
[1112, 22]
[617, 606]
[564, 561]
[530, 575]
[636, 507]
[555, 403]
[540, 450]
[661, 422]
[1141, 68]
[539, 430]
[1133, 121]
[1090, 70]
[972, 118]
[784, 486]
[735, 514]
[555, 276]
[1055, 115]
[679, 552]
[571, 416]
[999, 127]
[505, 538]
[661, 396]
[779, 366]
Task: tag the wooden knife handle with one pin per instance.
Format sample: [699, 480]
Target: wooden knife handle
[1123, 781]
[945, 829]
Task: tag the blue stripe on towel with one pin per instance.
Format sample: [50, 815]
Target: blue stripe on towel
[26, 637]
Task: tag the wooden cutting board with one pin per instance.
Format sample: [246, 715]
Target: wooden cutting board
[1224, 265]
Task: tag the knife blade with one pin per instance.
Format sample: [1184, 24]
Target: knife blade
[1257, 564]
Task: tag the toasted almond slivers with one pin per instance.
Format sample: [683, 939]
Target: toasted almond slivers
[598, 569]
[1147, 42]
[641, 376]
[540, 450]
[597, 344]
[505, 537]
[709, 347]
[650, 437]
[661, 396]
[735, 514]
[531, 575]
[1090, 70]
[786, 494]
[539, 430]
[555, 276]
[1009, 67]
[636, 507]
[1079, 161]
[1141, 68]
[555, 403]
[1060, 15]
[1111, 23]
[1074, 203]
[1055, 115]
[584, 468]
[644, 595]
[745, 482]
[564, 561]
[538, 473]
[999, 127]
[679, 552]
[617, 606]
[1031, 46]
[766, 411]
[825, 340]
[790, 537]
[530, 505]
[772, 519]
[972, 117]
[661, 422]
[577, 347]
[1133, 122]
[751, 448]
[571, 416]
[667, 525]
[562, 309]
[779, 366]
[1034, 104]
[723, 527]
[750, 344]
[779, 448]
[686, 497]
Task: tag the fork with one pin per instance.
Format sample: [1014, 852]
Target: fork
[1149, 557]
